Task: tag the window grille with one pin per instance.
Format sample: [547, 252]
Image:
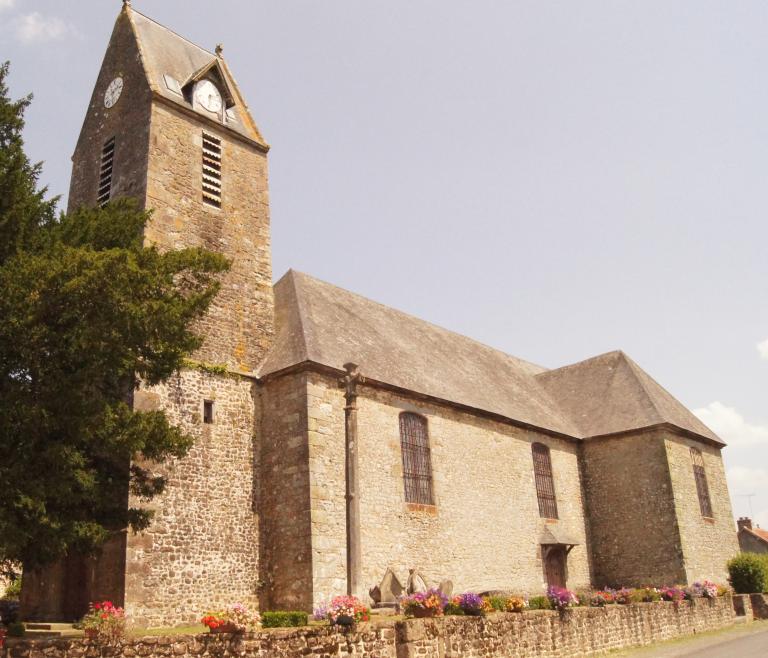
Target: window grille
[545, 485]
[211, 170]
[701, 482]
[417, 466]
[105, 173]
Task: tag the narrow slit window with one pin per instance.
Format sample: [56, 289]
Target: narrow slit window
[702, 488]
[211, 170]
[545, 484]
[417, 464]
[208, 412]
[105, 173]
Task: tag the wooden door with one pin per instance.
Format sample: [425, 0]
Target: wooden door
[554, 566]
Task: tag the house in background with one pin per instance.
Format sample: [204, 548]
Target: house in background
[752, 540]
[337, 438]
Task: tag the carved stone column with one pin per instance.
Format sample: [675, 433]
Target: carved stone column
[349, 382]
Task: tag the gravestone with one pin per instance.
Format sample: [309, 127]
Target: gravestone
[388, 591]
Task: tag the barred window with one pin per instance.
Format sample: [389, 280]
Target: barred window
[105, 172]
[211, 170]
[545, 485]
[701, 482]
[417, 465]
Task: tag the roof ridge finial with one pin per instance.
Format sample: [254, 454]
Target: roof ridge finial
[126, 3]
[219, 48]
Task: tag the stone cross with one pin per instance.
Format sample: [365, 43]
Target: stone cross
[349, 383]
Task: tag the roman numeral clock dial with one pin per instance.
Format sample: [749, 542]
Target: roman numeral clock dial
[112, 95]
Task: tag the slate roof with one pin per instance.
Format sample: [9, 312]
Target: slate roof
[610, 393]
[165, 53]
[321, 323]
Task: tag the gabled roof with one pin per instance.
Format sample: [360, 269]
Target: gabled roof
[215, 69]
[320, 323]
[165, 55]
[759, 533]
[610, 393]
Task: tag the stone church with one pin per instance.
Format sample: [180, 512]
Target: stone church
[337, 438]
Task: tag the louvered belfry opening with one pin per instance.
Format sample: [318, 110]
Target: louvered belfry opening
[211, 170]
[417, 466]
[105, 173]
[701, 482]
[545, 484]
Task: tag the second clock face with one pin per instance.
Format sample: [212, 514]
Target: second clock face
[208, 96]
[113, 92]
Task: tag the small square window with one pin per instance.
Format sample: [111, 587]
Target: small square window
[208, 412]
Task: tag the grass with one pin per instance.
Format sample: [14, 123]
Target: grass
[194, 629]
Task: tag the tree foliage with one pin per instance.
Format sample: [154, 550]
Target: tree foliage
[87, 311]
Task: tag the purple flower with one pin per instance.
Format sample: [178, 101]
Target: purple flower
[562, 598]
[470, 600]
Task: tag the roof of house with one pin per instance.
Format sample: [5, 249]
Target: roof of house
[757, 532]
[321, 323]
[166, 55]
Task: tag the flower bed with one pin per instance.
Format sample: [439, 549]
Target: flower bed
[433, 603]
[234, 619]
[343, 611]
[104, 622]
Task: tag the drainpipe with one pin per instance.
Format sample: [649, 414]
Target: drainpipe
[349, 382]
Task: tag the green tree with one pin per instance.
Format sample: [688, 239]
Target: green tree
[87, 311]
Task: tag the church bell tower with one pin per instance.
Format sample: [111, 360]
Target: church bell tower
[168, 126]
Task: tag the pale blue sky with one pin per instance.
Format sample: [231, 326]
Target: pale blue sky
[555, 179]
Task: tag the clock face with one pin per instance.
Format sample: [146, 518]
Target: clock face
[208, 96]
[113, 92]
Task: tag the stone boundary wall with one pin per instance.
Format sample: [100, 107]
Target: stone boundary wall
[578, 633]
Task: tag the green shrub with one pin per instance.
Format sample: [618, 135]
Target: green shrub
[16, 629]
[645, 595]
[539, 603]
[453, 609]
[282, 619]
[498, 603]
[13, 591]
[748, 573]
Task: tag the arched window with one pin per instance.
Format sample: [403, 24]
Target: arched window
[701, 482]
[545, 485]
[417, 464]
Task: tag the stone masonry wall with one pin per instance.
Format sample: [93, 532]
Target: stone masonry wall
[633, 524]
[708, 543]
[285, 486]
[484, 529]
[239, 324]
[127, 121]
[578, 633]
[202, 549]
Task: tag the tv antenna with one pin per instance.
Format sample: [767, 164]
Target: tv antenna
[749, 497]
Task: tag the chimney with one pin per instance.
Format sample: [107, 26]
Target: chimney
[745, 522]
